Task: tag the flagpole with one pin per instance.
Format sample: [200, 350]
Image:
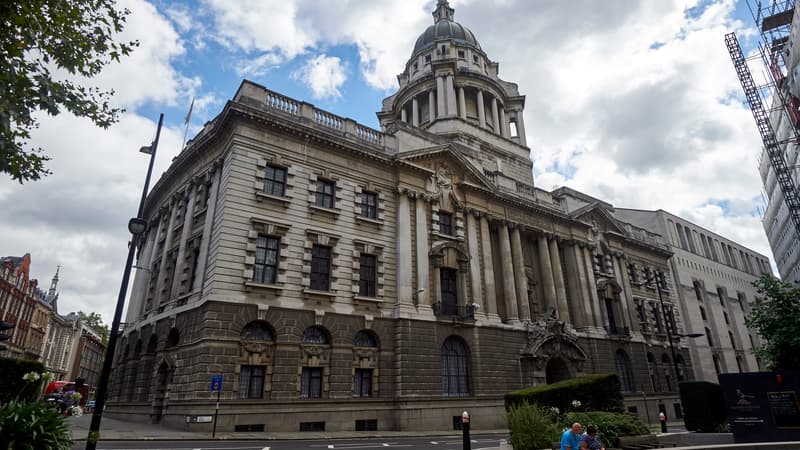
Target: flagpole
[186, 123]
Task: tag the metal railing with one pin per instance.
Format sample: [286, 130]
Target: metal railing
[449, 310]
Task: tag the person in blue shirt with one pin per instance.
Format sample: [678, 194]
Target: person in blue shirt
[571, 439]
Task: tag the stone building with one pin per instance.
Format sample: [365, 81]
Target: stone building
[715, 277]
[345, 278]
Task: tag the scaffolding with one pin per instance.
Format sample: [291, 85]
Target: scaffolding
[774, 22]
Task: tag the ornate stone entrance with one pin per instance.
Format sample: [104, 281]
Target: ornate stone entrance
[551, 355]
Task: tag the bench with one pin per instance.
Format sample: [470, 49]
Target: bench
[643, 442]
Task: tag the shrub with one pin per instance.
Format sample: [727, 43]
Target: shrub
[610, 425]
[532, 426]
[13, 386]
[32, 426]
[703, 406]
[600, 392]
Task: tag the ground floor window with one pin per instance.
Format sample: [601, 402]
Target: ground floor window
[251, 382]
[311, 382]
[362, 383]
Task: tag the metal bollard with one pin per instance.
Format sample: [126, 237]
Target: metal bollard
[466, 445]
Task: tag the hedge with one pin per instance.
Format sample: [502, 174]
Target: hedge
[601, 392]
[12, 386]
[610, 425]
[703, 406]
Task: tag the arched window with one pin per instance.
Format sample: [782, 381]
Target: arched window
[364, 339]
[173, 337]
[667, 369]
[152, 344]
[315, 335]
[455, 368]
[652, 368]
[256, 330]
[623, 365]
[682, 367]
[138, 348]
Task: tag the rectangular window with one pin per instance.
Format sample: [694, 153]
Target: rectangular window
[428, 58]
[632, 275]
[461, 54]
[362, 383]
[265, 268]
[321, 268]
[445, 223]
[325, 193]
[312, 426]
[311, 382]
[369, 205]
[449, 282]
[275, 181]
[366, 280]
[367, 425]
[657, 319]
[251, 382]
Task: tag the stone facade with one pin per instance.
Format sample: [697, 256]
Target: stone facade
[714, 276]
[343, 278]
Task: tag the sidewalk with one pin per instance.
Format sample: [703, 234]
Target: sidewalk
[118, 430]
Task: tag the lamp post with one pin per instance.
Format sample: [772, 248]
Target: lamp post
[136, 226]
[669, 323]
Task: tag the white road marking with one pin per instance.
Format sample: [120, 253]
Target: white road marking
[434, 443]
[330, 446]
[385, 445]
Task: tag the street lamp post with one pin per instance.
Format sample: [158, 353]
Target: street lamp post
[136, 226]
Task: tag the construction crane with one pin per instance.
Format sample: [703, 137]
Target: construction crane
[771, 144]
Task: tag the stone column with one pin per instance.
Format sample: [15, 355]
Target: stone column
[425, 297]
[474, 261]
[523, 304]
[509, 290]
[431, 106]
[462, 104]
[503, 123]
[404, 286]
[546, 275]
[205, 243]
[583, 307]
[403, 115]
[440, 100]
[451, 96]
[415, 112]
[481, 110]
[521, 129]
[495, 116]
[140, 281]
[180, 264]
[558, 277]
[574, 286]
[627, 293]
[596, 313]
[164, 254]
[490, 297]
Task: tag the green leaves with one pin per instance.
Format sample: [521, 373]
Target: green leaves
[32, 426]
[775, 317]
[76, 36]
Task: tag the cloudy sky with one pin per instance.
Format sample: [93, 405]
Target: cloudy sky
[632, 101]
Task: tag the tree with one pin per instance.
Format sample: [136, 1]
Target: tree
[74, 39]
[95, 322]
[776, 317]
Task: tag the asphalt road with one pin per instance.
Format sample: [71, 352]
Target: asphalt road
[422, 443]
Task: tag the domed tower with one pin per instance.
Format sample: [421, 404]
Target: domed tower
[451, 87]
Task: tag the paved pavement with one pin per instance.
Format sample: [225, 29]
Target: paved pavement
[118, 430]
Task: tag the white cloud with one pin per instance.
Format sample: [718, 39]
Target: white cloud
[259, 65]
[324, 75]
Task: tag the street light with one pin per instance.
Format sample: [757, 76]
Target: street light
[136, 226]
[658, 279]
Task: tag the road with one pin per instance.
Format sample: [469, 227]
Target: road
[422, 443]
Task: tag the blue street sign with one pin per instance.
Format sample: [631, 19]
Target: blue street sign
[216, 383]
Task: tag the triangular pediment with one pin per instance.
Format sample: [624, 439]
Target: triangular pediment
[598, 217]
[447, 160]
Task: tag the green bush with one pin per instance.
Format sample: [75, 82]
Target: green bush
[703, 406]
[12, 386]
[600, 392]
[32, 426]
[532, 426]
[610, 425]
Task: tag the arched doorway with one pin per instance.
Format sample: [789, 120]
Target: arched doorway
[163, 380]
[556, 371]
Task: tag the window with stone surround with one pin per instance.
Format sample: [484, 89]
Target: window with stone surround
[362, 383]
[368, 271]
[251, 382]
[311, 382]
[632, 273]
[623, 365]
[367, 275]
[449, 286]
[369, 205]
[445, 223]
[275, 180]
[455, 368]
[265, 261]
[320, 268]
[265, 269]
[325, 193]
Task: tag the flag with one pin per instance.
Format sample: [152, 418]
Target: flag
[189, 115]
